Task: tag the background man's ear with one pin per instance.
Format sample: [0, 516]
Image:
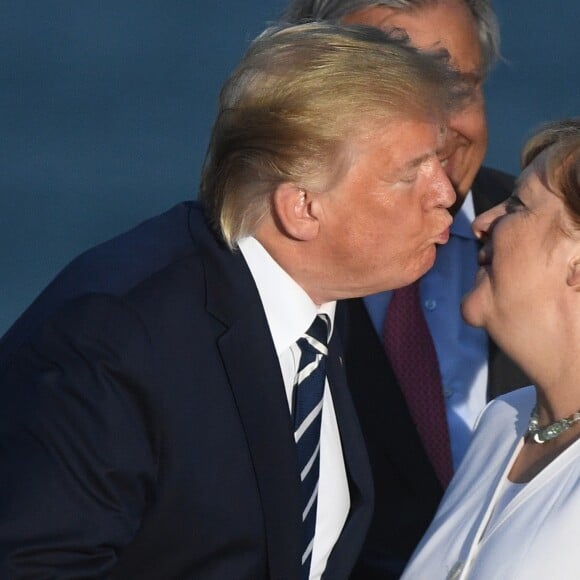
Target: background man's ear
[292, 207]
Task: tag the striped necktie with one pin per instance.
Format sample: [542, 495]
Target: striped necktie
[307, 412]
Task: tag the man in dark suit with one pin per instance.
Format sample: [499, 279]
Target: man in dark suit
[410, 471]
[154, 400]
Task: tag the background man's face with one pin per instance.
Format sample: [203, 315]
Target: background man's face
[449, 25]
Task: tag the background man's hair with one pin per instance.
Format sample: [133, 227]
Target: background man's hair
[334, 10]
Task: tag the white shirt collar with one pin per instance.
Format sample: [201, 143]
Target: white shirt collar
[464, 218]
[289, 310]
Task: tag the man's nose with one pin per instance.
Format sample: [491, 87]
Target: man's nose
[444, 193]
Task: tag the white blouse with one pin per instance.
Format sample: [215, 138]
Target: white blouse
[484, 530]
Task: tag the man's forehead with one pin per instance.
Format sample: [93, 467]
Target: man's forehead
[415, 25]
[408, 140]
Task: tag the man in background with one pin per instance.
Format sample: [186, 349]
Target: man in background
[418, 374]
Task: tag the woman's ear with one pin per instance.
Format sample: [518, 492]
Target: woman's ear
[573, 278]
[292, 207]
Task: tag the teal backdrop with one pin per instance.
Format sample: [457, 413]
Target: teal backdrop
[106, 108]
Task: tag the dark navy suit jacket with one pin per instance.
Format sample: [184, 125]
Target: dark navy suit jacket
[144, 427]
[407, 491]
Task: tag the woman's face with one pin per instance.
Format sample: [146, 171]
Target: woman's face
[529, 253]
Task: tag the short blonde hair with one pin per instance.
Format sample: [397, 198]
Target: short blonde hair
[562, 166]
[299, 96]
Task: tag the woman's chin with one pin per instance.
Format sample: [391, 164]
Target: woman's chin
[471, 308]
[475, 302]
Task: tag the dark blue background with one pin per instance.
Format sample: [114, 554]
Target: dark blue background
[106, 107]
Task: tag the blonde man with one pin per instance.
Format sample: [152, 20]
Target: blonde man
[150, 396]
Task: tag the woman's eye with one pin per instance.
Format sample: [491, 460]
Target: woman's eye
[513, 203]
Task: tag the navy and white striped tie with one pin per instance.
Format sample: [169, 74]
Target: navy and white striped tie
[307, 411]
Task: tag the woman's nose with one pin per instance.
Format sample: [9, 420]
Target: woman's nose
[483, 222]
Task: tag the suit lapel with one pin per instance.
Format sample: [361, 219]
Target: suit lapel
[253, 371]
[357, 465]
[252, 367]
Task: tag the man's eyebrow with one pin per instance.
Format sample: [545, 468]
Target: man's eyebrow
[417, 161]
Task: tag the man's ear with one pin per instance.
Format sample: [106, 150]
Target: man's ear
[573, 278]
[292, 207]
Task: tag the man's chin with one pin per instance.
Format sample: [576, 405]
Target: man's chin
[431, 254]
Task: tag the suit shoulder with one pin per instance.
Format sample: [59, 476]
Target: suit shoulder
[115, 267]
[489, 175]
[133, 254]
[493, 173]
[491, 187]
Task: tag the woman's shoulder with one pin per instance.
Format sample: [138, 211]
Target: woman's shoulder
[513, 408]
[518, 398]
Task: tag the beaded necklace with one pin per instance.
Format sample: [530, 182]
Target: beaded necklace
[542, 434]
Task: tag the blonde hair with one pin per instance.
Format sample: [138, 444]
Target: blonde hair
[561, 140]
[294, 103]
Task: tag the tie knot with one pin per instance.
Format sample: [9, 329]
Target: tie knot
[316, 337]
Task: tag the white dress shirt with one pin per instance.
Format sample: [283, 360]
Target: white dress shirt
[290, 312]
[462, 350]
